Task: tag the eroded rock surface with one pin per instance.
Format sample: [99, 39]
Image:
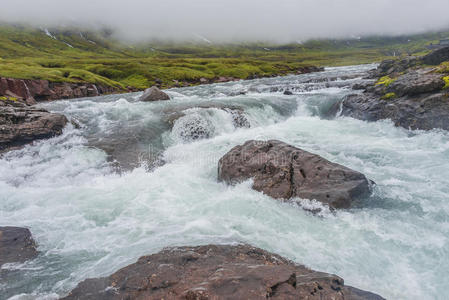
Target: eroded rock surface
[283, 172]
[217, 272]
[21, 124]
[16, 245]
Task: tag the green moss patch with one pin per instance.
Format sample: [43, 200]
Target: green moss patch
[389, 96]
[446, 79]
[386, 81]
[4, 98]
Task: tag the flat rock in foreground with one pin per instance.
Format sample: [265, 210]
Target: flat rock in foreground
[153, 94]
[282, 171]
[217, 272]
[16, 245]
[21, 124]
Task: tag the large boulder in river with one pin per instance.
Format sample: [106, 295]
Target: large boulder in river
[217, 272]
[283, 172]
[153, 94]
[21, 124]
[16, 245]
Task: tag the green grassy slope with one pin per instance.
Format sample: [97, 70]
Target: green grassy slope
[73, 55]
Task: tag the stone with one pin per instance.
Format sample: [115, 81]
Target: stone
[217, 272]
[21, 124]
[16, 245]
[415, 83]
[282, 171]
[153, 94]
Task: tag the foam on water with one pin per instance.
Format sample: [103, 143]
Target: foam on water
[90, 221]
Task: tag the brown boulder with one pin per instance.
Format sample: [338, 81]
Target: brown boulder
[217, 272]
[282, 171]
[21, 124]
[154, 94]
[16, 245]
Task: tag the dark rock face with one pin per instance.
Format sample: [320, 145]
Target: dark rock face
[436, 57]
[423, 112]
[16, 245]
[154, 94]
[41, 90]
[217, 272]
[283, 172]
[21, 124]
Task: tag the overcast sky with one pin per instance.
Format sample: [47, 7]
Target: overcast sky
[237, 20]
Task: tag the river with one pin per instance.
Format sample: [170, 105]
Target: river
[91, 217]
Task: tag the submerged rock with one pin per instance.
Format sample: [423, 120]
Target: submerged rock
[283, 172]
[217, 272]
[16, 245]
[153, 94]
[193, 127]
[21, 124]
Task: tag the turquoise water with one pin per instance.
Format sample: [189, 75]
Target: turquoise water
[90, 220]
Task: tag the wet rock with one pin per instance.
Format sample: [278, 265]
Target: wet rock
[16, 245]
[153, 94]
[436, 57]
[425, 112]
[193, 127]
[217, 272]
[288, 93]
[283, 172]
[21, 124]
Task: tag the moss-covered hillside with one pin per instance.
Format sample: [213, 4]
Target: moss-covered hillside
[73, 55]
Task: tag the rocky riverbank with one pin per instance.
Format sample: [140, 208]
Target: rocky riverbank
[35, 90]
[21, 124]
[217, 272]
[412, 92]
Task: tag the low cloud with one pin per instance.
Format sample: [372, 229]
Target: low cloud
[236, 20]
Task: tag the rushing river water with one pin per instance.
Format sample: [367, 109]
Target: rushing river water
[91, 218]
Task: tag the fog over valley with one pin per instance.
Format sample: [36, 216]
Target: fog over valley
[233, 20]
